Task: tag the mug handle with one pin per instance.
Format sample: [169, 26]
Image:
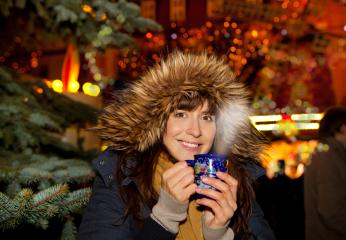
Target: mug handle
[190, 163]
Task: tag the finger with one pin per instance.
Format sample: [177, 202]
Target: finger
[215, 207]
[182, 178]
[183, 183]
[175, 169]
[183, 195]
[227, 178]
[187, 179]
[191, 189]
[221, 198]
[216, 183]
[228, 194]
[217, 196]
[230, 181]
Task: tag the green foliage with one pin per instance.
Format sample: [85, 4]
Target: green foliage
[37, 168]
[101, 24]
[39, 208]
[69, 231]
[29, 121]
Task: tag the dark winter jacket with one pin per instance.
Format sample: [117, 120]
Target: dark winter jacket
[103, 216]
[325, 194]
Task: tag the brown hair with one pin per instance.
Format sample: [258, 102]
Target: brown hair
[146, 161]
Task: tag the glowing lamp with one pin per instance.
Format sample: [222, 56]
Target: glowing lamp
[73, 86]
[57, 85]
[91, 89]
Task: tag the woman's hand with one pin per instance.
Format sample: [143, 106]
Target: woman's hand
[178, 181]
[223, 204]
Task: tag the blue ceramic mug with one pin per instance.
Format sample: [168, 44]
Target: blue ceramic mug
[207, 165]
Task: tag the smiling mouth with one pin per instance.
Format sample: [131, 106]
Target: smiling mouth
[190, 146]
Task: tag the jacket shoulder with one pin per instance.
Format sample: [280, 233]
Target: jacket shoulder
[105, 165]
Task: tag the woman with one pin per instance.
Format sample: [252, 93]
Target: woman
[189, 104]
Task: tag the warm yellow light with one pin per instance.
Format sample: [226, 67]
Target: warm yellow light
[294, 117]
[97, 77]
[57, 85]
[91, 89]
[307, 117]
[254, 33]
[73, 86]
[266, 118]
[48, 83]
[38, 90]
[298, 126]
[87, 8]
[104, 147]
[86, 87]
[94, 91]
[307, 126]
[267, 127]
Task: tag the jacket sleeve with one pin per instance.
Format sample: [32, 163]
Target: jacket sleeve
[259, 227]
[103, 217]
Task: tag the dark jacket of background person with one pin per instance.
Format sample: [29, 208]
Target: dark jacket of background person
[103, 216]
[325, 192]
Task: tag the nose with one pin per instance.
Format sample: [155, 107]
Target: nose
[194, 128]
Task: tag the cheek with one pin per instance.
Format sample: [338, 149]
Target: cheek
[169, 132]
[210, 133]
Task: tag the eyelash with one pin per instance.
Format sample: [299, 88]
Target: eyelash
[209, 117]
[179, 114]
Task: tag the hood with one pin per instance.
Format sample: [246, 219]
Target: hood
[136, 118]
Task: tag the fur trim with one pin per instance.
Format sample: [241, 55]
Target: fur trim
[136, 119]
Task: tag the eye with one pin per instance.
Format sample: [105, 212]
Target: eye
[180, 114]
[208, 117]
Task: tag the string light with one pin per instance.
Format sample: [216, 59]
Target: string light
[57, 85]
[73, 86]
[91, 89]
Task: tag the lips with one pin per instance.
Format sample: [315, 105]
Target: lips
[190, 146]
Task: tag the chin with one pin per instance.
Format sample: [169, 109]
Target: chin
[189, 156]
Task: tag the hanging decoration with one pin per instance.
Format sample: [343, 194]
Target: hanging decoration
[70, 69]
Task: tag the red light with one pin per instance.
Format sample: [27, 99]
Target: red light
[148, 35]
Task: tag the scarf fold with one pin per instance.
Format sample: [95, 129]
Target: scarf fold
[191, 229]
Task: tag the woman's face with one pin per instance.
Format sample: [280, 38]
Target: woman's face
[189, 132]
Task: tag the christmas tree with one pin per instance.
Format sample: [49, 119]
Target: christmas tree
[41, 177]
[44, 181]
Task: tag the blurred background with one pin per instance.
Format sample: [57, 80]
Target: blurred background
[61, 60]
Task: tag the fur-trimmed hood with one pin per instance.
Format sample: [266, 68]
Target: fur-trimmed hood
[137, 117]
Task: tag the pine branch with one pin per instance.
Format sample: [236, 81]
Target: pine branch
[75, 201]
[43, 205]
[69, 230]
[12, 211]
[51, 195]
[39, 208]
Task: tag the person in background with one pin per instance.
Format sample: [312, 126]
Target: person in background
[325, 181]
[144, 188]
